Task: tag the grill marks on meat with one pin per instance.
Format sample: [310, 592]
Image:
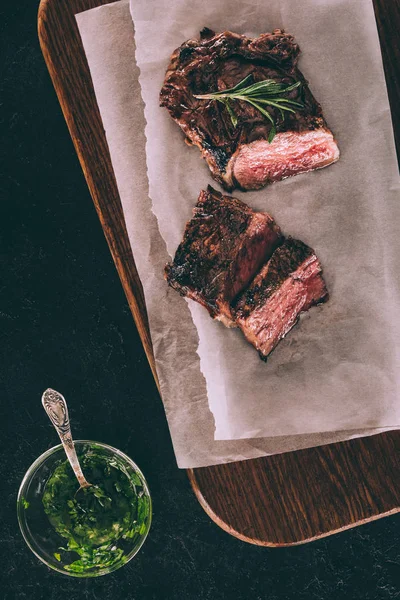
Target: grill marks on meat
[241, 157]
[223, 247]
[232, 260]
[237, 264]
[288, 284]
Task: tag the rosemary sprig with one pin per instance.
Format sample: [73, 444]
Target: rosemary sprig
[261, 94]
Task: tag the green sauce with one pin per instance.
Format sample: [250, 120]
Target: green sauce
[100, 523]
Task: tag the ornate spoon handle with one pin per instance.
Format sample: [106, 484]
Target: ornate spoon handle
[56, 408]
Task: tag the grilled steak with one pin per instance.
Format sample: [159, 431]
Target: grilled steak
[241, 156]
[288, 284]
[223, 247]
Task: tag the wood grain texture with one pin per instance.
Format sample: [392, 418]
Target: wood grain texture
[273, 501]
[65, 58]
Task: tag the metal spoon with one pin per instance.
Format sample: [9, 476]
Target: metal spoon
[56, 408]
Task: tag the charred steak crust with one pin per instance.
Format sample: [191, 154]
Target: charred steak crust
[223, 247]
[236, 263]
[220, 61]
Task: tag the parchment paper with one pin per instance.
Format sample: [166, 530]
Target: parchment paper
[339, 369]
[108, 38]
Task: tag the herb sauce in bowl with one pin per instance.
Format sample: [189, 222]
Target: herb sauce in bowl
[93, 530]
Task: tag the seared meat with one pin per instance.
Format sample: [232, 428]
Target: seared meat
[236, 263]
[288, 284]
[242, 157]
[223, 247]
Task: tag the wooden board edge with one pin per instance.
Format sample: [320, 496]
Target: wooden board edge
[256, 542]
[140, 322]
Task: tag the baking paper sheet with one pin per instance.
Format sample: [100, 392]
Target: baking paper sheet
[108, 38]
[339, 369]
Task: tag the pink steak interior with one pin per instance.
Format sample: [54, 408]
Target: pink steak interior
[289, 153]
[269, 323]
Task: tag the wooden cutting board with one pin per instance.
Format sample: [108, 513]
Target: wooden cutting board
[274, 501]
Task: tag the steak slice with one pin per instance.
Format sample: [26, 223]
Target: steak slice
[241, 156]
[223, 247]
[288, 284]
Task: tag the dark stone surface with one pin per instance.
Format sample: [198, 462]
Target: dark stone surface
[65, 323]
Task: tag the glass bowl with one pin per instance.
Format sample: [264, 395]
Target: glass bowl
[40, 535]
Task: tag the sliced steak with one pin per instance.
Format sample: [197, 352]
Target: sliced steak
[223, 247]
[241, 156]
[288, 284]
